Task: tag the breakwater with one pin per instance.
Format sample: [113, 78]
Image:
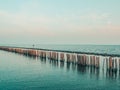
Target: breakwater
[99, 61]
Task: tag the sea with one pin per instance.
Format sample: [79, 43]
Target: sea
[20, 72]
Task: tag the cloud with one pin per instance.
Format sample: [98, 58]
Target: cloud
[23, 22]
[32, 23]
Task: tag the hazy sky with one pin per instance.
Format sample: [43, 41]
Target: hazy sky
[60, 21]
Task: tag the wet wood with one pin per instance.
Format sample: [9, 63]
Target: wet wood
[32, 52]
[110, 63]
[115, 65]
[37, 53]
[97, 62]
[119, 64]
[62, 58]
[78, 57]
[93, 61]
[88, 58]
[43, 54]
[107, 63]
[68, 57]
[73, 57]
[81, 60]
[84, 60]
[48, 54]
[25, 52]
[54, 55]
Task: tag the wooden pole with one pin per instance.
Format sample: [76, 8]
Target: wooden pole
[79, 59]
[94, 61]
[119, 64]
[110, 63]
[115, 64]
[68, 57]
[62, 57]
[73, 57]
[90, 60]
[107, 65]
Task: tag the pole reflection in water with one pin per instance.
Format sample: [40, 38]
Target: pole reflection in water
[92, 71]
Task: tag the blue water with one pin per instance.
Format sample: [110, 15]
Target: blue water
[107, 49]
[19, 72]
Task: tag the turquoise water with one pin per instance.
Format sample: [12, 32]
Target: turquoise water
[19, 72]
[107, 49]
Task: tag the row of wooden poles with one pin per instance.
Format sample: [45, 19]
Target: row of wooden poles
[80, 59]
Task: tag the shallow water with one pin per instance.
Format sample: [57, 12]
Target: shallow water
[19, 72]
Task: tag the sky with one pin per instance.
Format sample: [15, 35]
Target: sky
[60, 22]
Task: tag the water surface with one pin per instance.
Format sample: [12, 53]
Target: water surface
[102, 49]
[19, 72]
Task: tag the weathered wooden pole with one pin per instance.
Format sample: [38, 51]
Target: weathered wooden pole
[103, 67]
[44, 54]
[78, 58]
[115, 65]
[97, 62]
[37, 53]
[68, 57]
[119, 64]
[94, 61]
[62, 57]
[87, 60]
[57, 55]
[90, 60]
[32, 52]
[20, 51]
[81, 60]
[73, 58]
[84, 60]
[49, 54]
[54, 55]
[85, 56]
[107, 63]
[110, 63]
[25, 52]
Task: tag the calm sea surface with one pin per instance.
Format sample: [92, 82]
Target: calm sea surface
[108, 49]
[19, 72]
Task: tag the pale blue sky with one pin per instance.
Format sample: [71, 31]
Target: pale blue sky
[59, 21]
